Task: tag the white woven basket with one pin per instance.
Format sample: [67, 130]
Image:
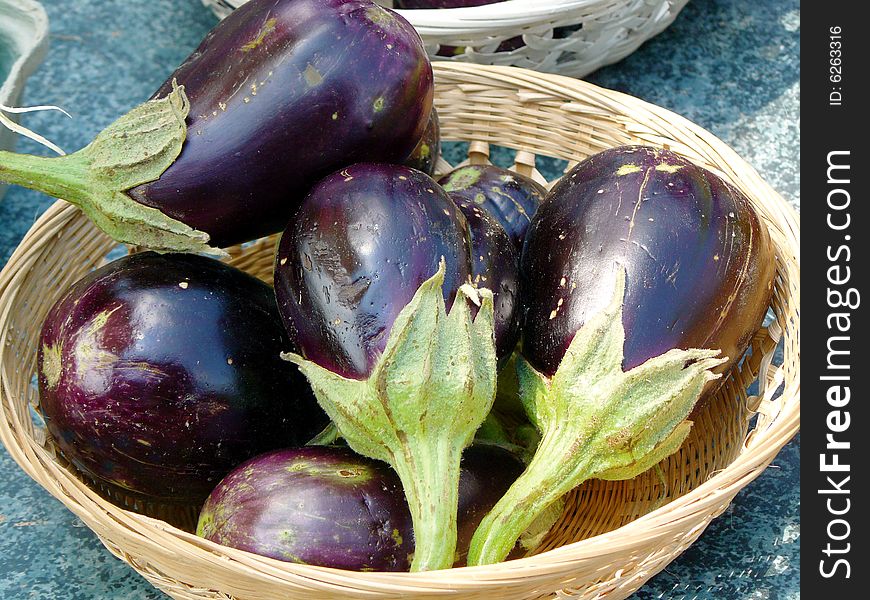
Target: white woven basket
[569, 37]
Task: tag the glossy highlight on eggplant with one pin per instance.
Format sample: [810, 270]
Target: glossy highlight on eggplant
[362, 243]
[160, 373]
[509, 197]
[699, 261]
[282, 93]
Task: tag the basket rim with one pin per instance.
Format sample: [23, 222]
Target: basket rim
[716, 492]
[489, 19]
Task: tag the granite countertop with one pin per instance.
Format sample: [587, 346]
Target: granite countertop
[732, 66]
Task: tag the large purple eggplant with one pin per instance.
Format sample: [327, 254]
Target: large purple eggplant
[159, 373]
[699, 261]
[278, 95]
[328, 506]
[361, 244]
[644, 278]
[316, 505]
[509, 197]
[494, 265]
[364, 275]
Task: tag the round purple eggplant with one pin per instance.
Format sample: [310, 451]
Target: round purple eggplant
[495, 266]
[316, 505]
[426, 153]
[509, 197]
[362, 243]
[699, 262]
[328, 506]
[159, 373]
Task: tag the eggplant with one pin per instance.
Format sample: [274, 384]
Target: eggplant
[644, 277]
[159, 373]
[317, 505]
[362, 243]
[278, 95]
[699, 261]
[509, 197]
[426, 152]
[331, 507]
[363, 277]
[494, 265]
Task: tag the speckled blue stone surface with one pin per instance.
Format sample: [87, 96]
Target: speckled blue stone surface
[731, 66]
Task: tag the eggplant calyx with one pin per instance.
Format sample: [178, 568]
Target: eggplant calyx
[427, 395]
[135, 149]
[596, 421]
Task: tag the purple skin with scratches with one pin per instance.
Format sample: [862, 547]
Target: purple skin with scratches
[328, 506]
[160, 373]
[362, 243]
[495, 266]
[425, 155]
[316, 505]
[699, 262]
[282, 93]
[509, 197]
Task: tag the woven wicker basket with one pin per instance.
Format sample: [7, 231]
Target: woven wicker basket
[570, 37]
[612, 536]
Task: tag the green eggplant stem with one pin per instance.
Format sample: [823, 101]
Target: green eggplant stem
[135, 149]
[596, 421]
[57, 176]
[431, 484]
[545, 480]
[426, 397]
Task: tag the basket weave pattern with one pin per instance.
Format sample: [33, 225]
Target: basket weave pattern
[612, 536]
[570, 37]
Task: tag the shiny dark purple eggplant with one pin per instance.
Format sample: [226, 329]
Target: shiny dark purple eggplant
[426, 153]
[699, 261]
[277, 96]
[362, 243]
[160, 373]
[509, 197]
[495, 266]
[282, 93]
[328, 506]
[317, 505]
